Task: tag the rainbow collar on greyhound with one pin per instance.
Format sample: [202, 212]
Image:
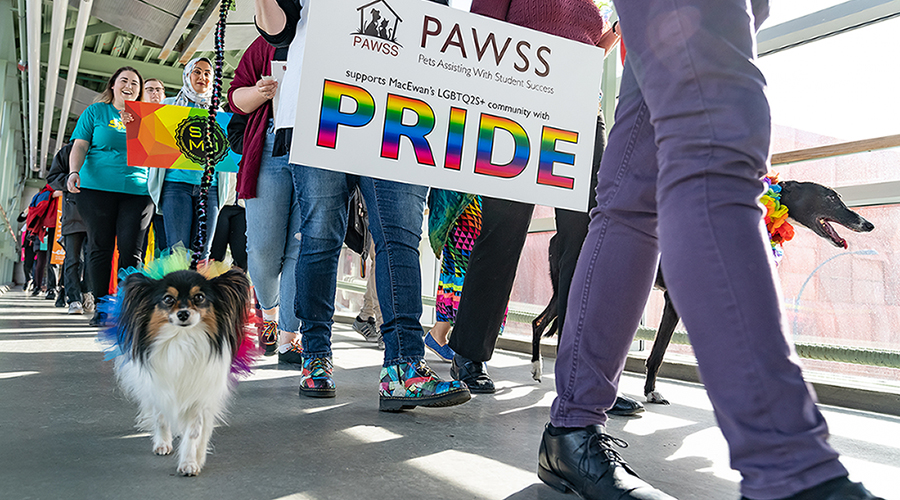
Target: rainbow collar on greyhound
[780, 230]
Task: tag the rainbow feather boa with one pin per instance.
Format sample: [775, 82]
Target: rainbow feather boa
[780, 230]
[175, 259]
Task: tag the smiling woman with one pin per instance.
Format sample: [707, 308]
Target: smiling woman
[177, 192]
[111, 196]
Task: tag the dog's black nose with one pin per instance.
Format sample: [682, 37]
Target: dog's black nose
[183, 315]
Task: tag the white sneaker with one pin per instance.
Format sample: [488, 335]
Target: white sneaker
[76, 308]
[89, 302]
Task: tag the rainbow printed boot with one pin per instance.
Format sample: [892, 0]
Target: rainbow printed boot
[407, 385]
[315, 378]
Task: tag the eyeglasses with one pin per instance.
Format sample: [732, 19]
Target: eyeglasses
[154, 89]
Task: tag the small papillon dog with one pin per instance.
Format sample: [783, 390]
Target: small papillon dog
[179, 336]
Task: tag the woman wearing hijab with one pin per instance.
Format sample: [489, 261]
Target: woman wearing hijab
[177, 191]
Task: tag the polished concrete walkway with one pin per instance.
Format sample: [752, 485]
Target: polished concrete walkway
[66, 431]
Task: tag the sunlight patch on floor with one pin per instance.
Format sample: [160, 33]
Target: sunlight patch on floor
[260, 375]
[708, 444]
[878, 429]
[350, 357]
[482, 477]
[507, 390]
[544, 402]
[88, 344]
[48, 331]
[323, 408]
[880, 479]
[654, 422]
[6, 375]
[371, 434]
[295, 496]
[501, 360]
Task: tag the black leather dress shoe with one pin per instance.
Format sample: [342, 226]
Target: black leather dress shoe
[835, 489]
[583, 461]
[473, 374]
[625, 407]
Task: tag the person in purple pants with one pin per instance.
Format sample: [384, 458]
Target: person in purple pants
[680, 178]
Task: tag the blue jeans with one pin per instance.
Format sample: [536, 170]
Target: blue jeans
[273, 221]
[395, 220]
[681, 177]
[179, 203]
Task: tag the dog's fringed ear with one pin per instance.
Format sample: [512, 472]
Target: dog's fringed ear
[233, 308]
[132, 320]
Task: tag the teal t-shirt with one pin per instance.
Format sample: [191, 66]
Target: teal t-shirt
[180, 174]
[105, 165]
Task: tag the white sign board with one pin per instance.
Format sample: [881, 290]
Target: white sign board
[417, 92]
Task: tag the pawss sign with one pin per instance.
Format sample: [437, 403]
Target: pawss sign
[417, 92]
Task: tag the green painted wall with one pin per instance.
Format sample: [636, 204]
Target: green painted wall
[12, 161]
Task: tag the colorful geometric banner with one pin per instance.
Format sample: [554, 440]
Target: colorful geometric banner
[167, 136]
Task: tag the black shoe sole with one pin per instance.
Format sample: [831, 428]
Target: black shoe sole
[552, 480]
[394, 405]
[317, 393]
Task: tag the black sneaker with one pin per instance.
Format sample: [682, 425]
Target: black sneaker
[366, 328]
[291, 354]
[268, 337]
[51, 295]
[99, 319]
[583, 461]
[60, 300]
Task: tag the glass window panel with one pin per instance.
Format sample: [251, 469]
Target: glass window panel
[838, 88]
[781, 11]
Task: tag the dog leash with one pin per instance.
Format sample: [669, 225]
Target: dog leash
[208, 143]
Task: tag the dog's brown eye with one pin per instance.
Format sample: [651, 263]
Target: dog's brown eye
[168, 300]
[199, 299]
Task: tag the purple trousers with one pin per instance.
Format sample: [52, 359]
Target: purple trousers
[680, 178]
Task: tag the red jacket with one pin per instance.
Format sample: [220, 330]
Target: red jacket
[41, 213]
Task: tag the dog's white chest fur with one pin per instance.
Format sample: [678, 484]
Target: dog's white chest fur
[183, 387]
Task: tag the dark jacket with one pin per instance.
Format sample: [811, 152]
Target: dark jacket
[56, 178]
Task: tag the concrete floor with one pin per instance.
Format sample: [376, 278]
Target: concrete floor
[66, 431]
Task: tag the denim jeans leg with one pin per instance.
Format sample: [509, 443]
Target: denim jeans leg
[273, 218]
[323, 198]
[396, 211]
[177, 206]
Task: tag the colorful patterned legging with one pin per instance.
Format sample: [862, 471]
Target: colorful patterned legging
[455, 261]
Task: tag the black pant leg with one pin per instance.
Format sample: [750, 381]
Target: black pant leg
[572, 227]
[220, 238]
[132, 223]
[99, 211]
[238, 239]
[72, 267]
[489, 278]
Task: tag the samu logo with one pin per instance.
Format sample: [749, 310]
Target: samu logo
[189, 137]
[377, 32]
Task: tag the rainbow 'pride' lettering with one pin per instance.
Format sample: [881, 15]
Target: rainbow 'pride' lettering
[549, 156]
[331, 118]
[486, 130]
[394, 128]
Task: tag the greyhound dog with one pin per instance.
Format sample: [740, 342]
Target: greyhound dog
[811, 205]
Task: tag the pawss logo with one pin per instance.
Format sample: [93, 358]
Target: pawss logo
[377, 31]
[189, 137]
